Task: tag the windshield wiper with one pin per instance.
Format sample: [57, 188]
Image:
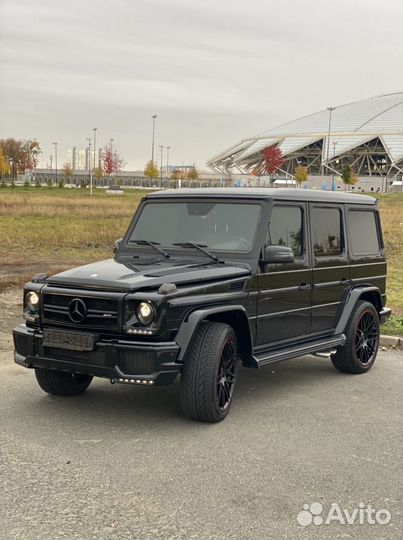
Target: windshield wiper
[152, 244]
[200, 247]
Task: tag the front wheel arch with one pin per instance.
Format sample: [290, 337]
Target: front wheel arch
[234, 316]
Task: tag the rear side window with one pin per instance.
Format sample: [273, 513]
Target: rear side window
[362, 226]
[327, 237]
[286, 228]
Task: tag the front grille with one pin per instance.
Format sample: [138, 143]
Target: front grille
[101, 313]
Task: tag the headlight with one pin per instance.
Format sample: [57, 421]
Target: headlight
[145, 313]
[32, 301]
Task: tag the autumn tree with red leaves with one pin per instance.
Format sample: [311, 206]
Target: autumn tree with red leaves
[271, 162]
[112, 162]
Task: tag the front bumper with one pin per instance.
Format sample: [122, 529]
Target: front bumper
[118, 360]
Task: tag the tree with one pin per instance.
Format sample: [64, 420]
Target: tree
[271, 162]
[301, 174]
[193, 173]
[176, 174]
[112, 162]
[21, 154]
[67, 170]
[98, 173]
[118, 162]
[107, 160]
[4, 164]
[348, 176]
[151, 170]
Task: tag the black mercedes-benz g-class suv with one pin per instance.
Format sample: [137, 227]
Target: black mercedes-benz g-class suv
[204, 277]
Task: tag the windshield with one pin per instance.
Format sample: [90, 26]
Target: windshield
[217, 226]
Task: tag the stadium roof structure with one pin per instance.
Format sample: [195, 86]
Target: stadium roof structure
[367, 134]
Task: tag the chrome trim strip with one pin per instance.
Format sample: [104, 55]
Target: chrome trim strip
[324, 305]
[281, 289]
[265, 315]
[329, 284]
[307, 269]
[363, 278]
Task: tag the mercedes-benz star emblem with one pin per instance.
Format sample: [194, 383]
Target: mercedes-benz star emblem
[77, 310]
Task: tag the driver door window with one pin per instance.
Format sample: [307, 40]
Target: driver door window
[286, 229]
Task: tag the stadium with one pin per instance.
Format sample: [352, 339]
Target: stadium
[367, 135]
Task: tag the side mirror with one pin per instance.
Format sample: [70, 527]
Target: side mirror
[116, 245]
[278, 255]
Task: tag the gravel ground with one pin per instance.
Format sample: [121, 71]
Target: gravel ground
[122, 462]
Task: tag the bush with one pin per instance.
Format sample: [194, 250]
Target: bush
[37, 183]
[83, 183]
[49, 183]
[60, 184]
[26, 184]
[12, 185]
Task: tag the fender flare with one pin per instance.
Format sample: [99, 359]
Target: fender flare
[190, 325]
[353, 297]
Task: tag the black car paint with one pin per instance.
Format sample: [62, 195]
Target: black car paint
[271, 307]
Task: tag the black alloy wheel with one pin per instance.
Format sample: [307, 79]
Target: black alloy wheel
[226, 375]
[362, 341]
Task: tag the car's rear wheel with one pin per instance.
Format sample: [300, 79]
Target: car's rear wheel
[209, 373]
[61, 383]
[359, 353]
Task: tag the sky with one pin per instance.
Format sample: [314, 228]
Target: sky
[214, 72]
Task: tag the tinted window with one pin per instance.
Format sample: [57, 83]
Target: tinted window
[363, 233]
[285, 228]
[218, 226]
[326, 232]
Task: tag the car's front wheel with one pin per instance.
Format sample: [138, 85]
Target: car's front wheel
[61, 383]
[209, 373]
[359, 353]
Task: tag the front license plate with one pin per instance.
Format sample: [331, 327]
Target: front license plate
[74, 341]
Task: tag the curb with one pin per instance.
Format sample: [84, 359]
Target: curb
[391, 342]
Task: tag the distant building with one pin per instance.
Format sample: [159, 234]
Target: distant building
[367, 135]
[79, 158]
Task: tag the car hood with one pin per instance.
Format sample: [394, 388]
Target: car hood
[122, 276]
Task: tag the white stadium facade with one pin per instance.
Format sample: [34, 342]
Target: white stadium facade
[367, 134]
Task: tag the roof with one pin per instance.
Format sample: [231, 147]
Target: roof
[352, 124]
[290, 194]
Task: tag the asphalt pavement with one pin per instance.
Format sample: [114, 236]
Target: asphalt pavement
[122, 462]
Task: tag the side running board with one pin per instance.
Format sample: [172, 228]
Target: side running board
[324, 344]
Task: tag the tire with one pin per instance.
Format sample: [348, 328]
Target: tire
[359, 353]
[61, 383]
[209, 373]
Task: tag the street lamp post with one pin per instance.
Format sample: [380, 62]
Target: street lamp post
[55, 145]
[162, 150]
[111, 147]
[167, 171]
[330, 109]
[154, 116]
[89, 163]
[334, 153]
[95, 146]
[51, 167]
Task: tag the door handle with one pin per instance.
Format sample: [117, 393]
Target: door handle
[345, 281]
[304, 287]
